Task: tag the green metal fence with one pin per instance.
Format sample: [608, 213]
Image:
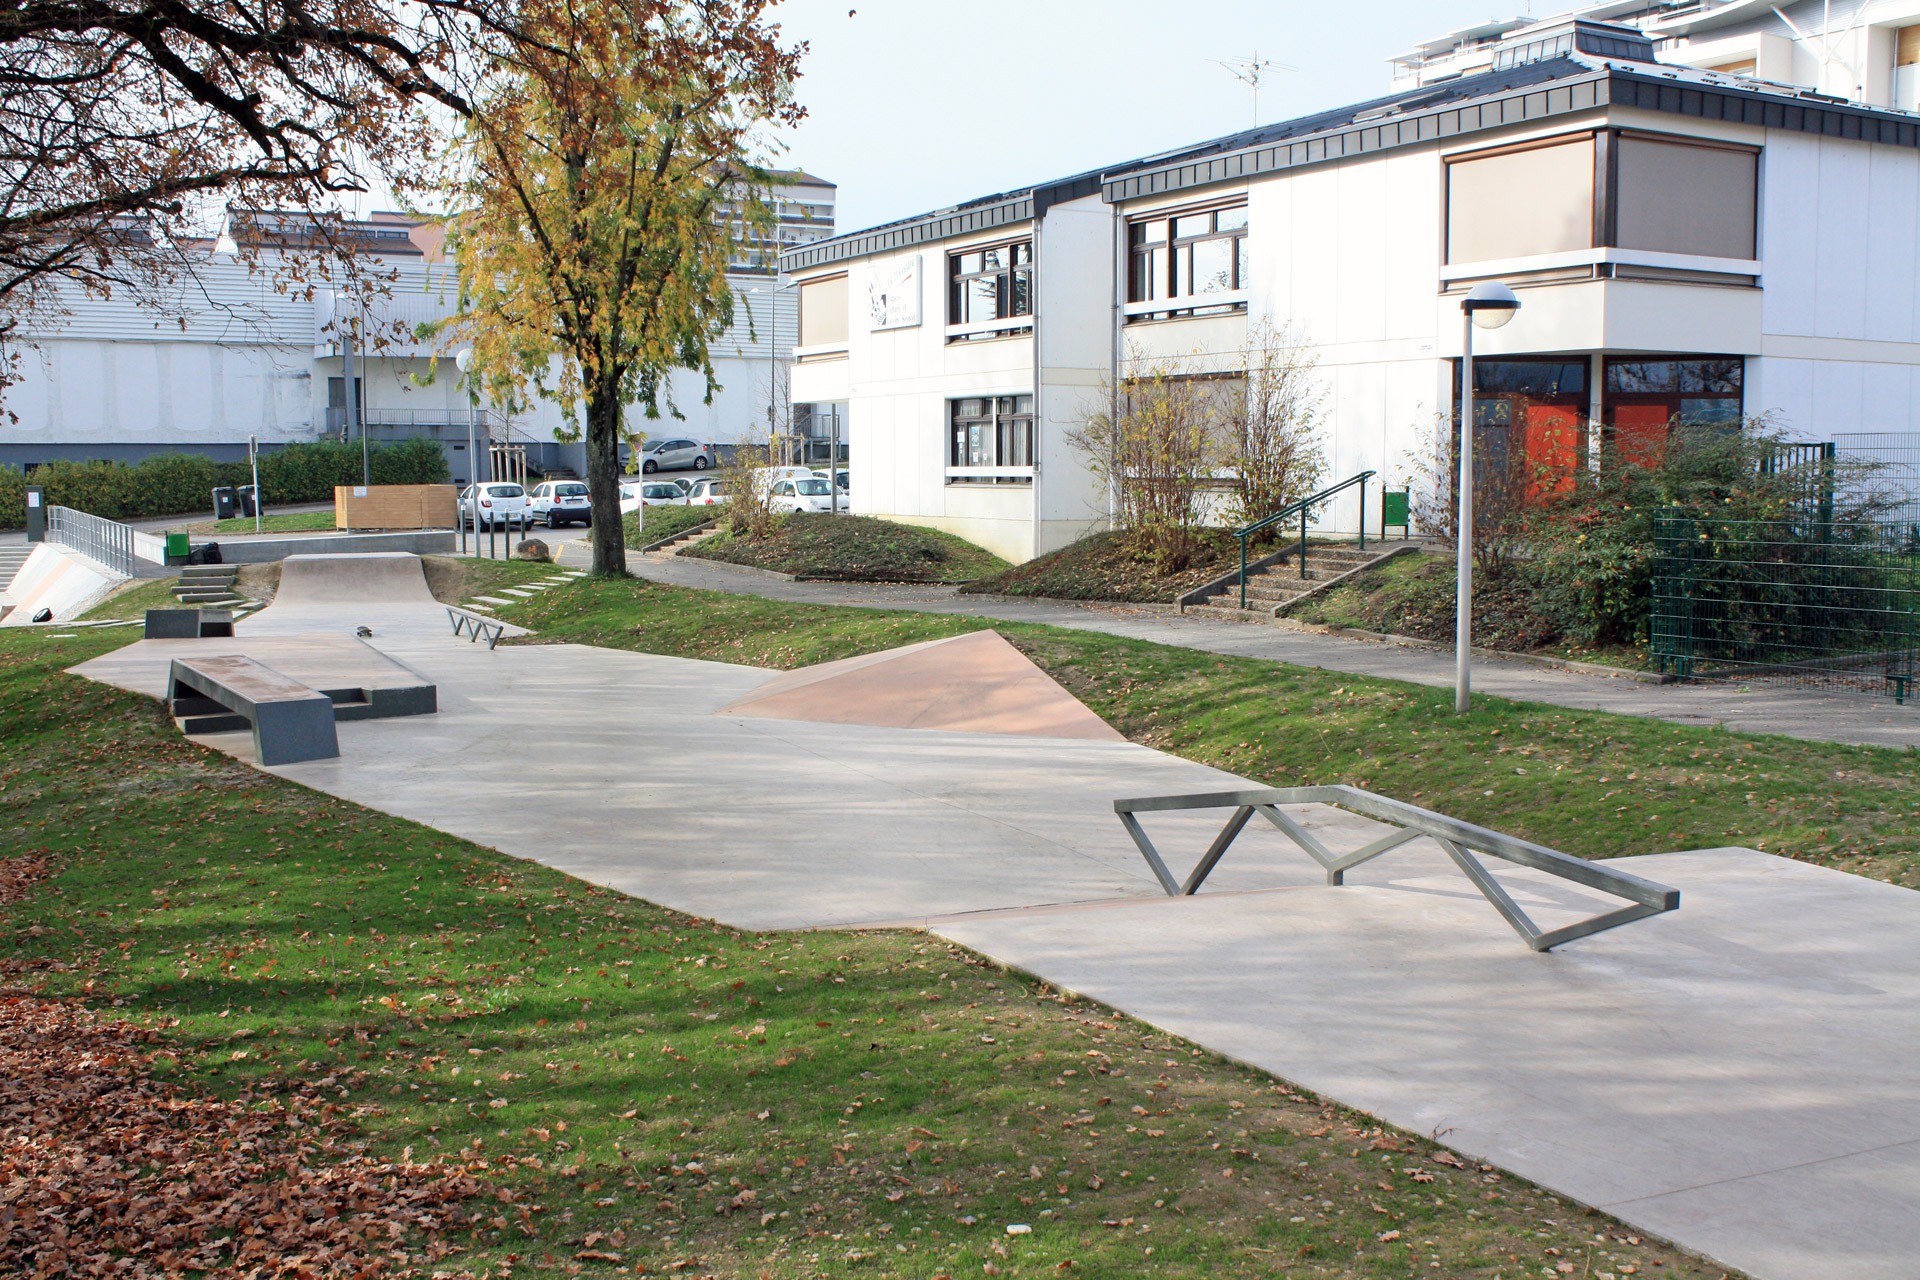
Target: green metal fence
[1810, 600]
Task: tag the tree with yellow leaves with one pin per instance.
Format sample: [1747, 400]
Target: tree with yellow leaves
[601, 183]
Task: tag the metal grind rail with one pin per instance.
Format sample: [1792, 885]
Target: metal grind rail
[1460, 840]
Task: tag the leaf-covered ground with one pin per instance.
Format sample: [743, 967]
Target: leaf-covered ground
[491, 1061]
[846, 548]
[1101, 567]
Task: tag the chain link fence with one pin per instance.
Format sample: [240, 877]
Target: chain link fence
[1809, 601]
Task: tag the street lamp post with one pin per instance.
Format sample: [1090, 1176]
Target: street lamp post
[1487, 306]
[465, 361]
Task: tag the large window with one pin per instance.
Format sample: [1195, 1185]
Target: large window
[1184, 259]
[990, 288]
[1685, 197]
[1520, 201]
[1613, 189]
[990, 432]
[823, 312]
[1642, 399]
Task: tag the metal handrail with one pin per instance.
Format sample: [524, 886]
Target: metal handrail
[104, 541]
[1303, 509]
[1461, 841]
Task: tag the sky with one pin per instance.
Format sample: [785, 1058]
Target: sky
[914, 105]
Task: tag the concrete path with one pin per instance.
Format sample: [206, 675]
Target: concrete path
[1742, 1076]
[1797, 713]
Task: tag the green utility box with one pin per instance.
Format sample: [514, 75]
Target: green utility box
[178, 548]
[1396, 508]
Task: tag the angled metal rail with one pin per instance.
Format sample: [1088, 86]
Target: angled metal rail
[474, 627]
[1461, 841]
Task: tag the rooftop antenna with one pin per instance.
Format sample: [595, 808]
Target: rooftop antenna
[1250, 72]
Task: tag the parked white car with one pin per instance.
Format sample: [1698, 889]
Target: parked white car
[810, 494]
[498, 503]
[708, 493]
[559, 502]
[650, 493]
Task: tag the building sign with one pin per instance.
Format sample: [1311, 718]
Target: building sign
[893, 294]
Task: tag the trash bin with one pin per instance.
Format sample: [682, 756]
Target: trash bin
[178, 548]
[249, 500]
[224, 505]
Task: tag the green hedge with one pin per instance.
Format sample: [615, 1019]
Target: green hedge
[183, 483]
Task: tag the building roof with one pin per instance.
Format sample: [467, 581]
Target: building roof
[1560, 85]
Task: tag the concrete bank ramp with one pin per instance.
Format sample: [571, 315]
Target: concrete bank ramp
[974, 683]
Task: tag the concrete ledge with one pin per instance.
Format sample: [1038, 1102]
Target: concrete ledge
[255, 550]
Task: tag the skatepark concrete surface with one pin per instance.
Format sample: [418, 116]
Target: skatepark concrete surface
[386, 592]
[1741, 1076]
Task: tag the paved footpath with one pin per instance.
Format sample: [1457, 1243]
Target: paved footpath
[1818, 715]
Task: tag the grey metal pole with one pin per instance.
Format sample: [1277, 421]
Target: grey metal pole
[366, 470]
[1463, 590]
[253, 456]
[473, 481]
[833, 467]
[353, 401]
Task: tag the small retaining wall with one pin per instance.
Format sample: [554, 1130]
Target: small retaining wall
[263, 550]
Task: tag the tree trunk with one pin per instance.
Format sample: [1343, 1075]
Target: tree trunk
[603, 479]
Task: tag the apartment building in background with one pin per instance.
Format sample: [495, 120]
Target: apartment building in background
[1690, 244]
[242, 353]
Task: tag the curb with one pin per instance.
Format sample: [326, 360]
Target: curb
[1498, 655]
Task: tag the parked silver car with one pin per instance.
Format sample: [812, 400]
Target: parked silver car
[560, 502]
[677, 454]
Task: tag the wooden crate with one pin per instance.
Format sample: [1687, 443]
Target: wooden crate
[364, 508]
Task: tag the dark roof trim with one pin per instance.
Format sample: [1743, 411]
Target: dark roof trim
[906, 234]
[1518, 106]
[1606, 87]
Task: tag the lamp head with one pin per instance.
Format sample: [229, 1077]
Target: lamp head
[464, 359]
[1490, 304]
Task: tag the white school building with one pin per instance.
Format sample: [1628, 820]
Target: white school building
[1687, 244]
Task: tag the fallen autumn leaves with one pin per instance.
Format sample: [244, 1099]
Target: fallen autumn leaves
[105, 1170]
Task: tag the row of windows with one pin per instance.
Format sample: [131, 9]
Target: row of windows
[1182, 257]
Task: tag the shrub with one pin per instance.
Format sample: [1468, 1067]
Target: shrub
[180, 483]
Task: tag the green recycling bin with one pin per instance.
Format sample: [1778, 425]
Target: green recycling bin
[178, 548]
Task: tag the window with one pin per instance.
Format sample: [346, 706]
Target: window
[991, 431]
[823, 312]
[1906, 68]
[1520, 201]
[987, 287]
[1641, 399]
[1680, 196]
[1177, 257]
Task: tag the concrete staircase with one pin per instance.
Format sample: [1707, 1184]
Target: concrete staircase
[1272, 587]
[12, 556]
[680, 541]
[210, 585]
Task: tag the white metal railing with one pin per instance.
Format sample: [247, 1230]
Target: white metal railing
[108, 542]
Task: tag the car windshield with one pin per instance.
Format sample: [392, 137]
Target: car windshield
[715, 486]
[661, 491]
[571, 490]
[506, 491]
[814, 488]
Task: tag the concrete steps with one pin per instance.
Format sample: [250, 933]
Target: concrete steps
[1276, 586]
[209, 586]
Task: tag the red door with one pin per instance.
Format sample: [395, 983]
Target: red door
[1553, 449]
[1640, 432]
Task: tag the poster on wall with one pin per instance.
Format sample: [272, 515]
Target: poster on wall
[893, 294]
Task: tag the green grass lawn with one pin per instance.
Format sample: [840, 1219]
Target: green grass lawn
[663, 522]
[1585, 782]
[663, 1095]
[287, 522]
[847, 548]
